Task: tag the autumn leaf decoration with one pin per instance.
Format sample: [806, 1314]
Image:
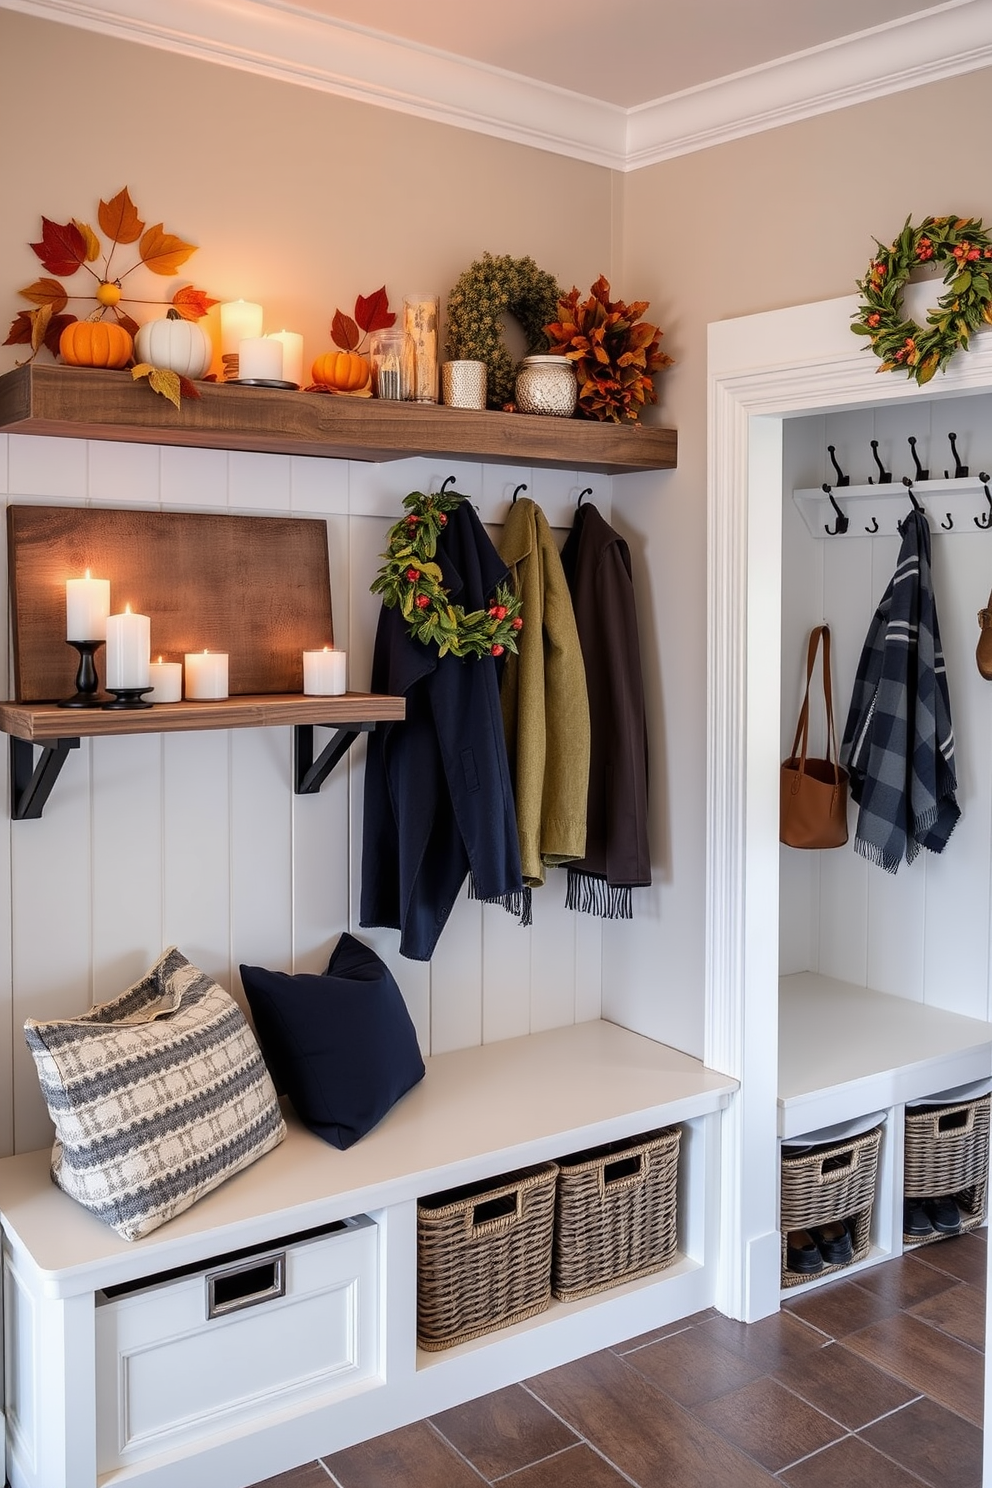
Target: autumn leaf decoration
[614, 352]
[371, 314]
[67, 247]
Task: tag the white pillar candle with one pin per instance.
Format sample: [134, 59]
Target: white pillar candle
[206, 675]
[238, 320]
[87, 605]
[260, 358]
[128, 647]
[292, 355]
[324, 672]
[166, 678]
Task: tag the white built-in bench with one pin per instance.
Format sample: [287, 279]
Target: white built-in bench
[847, 1051]
[99, 1389]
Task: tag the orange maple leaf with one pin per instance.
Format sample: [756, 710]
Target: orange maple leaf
[163, 252]
[192, 303]
[46, 292]
[119, 218]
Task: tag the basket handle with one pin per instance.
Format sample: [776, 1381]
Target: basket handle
[625, 1171]
[957, 1123]
[497, 1213]
[842, 1165]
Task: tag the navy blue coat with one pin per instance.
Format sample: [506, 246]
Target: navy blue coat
[438, 799]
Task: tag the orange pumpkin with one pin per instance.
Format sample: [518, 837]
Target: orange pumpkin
[95, 343]
[345, 371]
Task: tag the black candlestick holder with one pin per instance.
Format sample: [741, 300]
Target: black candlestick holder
[87, 681]
[128, 697]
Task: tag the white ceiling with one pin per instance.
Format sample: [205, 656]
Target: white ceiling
[620, 83]
[627, 52]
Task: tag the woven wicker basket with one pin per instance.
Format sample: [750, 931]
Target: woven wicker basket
[616, 1214]
[830, 1183]
[484, 1256]
[947, 1152]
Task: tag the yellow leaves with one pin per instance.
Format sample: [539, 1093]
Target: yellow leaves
[46, 292]
[119, 218]
[89, 237]
[162, 380]
[39, 325]
[163, 252]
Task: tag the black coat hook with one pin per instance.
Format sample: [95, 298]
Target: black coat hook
[916, 504]
[842, 523]
[985, 520]
[884, 476]
[960, 471]
[948, 524]
[583, 495]
[921, 474]
[449, 480]
[842, 479]
[874, 525]
[522, 487]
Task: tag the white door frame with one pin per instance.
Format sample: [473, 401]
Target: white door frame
[763, 369]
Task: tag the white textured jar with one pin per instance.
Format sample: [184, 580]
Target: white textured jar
[546, 384]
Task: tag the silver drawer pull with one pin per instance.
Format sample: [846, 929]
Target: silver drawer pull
[246, 1285]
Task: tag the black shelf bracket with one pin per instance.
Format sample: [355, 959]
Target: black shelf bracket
[309, 774]
[30, 783]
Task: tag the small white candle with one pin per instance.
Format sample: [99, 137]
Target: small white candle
[292, 355]
[87, 605]
[238, 319]
[324, 672]
[260, 357]
[206, 674]
[166, 678]
[128, 647]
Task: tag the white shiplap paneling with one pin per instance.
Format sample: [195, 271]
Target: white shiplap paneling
[924, 932]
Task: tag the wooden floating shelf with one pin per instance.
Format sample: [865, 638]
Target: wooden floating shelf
[40, 723]
[89, 403]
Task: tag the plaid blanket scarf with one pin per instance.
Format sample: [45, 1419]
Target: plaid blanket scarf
[898, 744]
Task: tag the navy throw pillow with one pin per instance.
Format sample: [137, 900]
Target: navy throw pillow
[342, 1046]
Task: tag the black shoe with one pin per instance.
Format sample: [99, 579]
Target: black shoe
[943, 1214]
[833, 1241]
[802, 1253]
[915, 1220]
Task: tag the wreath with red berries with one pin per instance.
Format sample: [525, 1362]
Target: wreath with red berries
[966, 248]
[410, 579]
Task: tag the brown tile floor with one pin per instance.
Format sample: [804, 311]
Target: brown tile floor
[873, 1380]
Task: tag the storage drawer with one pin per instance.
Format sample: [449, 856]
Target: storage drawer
[185, 1354]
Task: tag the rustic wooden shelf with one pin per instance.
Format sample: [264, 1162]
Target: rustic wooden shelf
[88, 403]
[42, 722]
[58, 730]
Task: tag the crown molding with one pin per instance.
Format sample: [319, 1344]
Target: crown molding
[277, 40]
[943, 42]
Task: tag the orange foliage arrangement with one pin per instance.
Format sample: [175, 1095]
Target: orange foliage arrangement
[348, 370]
[615, 353]
[67, 247]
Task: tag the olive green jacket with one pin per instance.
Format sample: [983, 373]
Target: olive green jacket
[544, 700]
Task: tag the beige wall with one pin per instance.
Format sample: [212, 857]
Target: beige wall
[297, 199]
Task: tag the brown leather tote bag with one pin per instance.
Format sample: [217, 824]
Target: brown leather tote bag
[813, 792]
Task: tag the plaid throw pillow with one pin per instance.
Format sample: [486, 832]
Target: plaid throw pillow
[156, 1097]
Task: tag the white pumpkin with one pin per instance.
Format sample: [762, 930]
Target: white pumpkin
[174, 343]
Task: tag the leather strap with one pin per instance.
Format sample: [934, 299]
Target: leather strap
[802, 727]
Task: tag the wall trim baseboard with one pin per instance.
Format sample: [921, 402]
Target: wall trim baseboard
[276, 40]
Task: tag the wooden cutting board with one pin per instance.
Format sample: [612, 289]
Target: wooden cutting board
[255, 587]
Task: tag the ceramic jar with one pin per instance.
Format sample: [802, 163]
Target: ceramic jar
[546, 384]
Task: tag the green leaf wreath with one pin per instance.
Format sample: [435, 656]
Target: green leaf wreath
[410, 579]
[966, 248]
[488, 288]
